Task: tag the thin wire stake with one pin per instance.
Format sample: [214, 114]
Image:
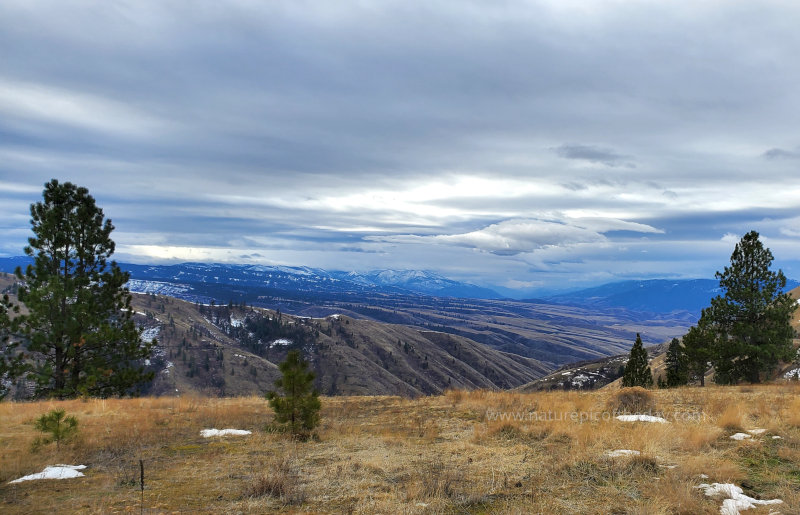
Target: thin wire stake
[141, 485]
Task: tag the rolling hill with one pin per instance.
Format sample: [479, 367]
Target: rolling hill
[233, 350]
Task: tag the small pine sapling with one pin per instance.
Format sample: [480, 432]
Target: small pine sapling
[58, 426]
[298, 409]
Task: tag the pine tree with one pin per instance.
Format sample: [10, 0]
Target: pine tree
[677, 365]
[59, 427]
[752, 321]
[11, 364]
[81, 337]
[698, 345]
[637, 371]
[299, 407]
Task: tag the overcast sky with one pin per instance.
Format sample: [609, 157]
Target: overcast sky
[519, 144]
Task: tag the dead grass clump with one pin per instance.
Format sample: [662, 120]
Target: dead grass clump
[698, 437]
[607, 471]
[633, 400]
[282, 482]
[719, 469]
[454, 396]
[641, 464]
[507, 431]
[560, 438]
[438, 480]
[676, 496]
[793, 413]
[732, 418]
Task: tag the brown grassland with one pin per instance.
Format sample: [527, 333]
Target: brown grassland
[439, 454]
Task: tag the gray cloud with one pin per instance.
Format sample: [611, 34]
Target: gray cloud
[594, 154]
[341, 134]
[779, 153]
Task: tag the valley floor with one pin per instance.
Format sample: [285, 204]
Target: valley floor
[461, 452]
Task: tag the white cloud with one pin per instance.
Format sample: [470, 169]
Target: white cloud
[731, 238]
[51, 105]
[791, 228]
[518, 236]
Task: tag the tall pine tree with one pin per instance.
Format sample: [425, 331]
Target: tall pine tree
[10, 358]
[637, 370]
[677, 365]
[698, 345]
[752, 320]
[81, 338]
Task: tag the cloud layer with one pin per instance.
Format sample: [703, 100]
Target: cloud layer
[520, 143]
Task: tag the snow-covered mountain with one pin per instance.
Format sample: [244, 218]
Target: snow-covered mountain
[305, 279]
[418, 281]
[189, 276]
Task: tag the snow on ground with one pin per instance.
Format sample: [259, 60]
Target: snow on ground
[237, 322]
[280, 341]
[740, 436]
[580, 379]
[335, 316]
[642, 418]
[157, 287]
[240, 356]
[735, 500]
[208, 433]
[792, 374]
[622, 452]
[55, 472]
[757, 431]
[150, 333]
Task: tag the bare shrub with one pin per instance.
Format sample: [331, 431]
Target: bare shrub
[632, 400]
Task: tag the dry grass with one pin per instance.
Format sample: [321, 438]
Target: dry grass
[460, 452]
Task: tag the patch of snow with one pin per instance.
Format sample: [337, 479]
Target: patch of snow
[568, 373]
[54, 472]
[150, 333]
[281, 341]
[740, 436]
[792, 374]
[777, 438]
[757, 431]
[622, 452]
[157, 287]
[208, 433]
[735, 500]
[703, 476]
[580, 379]
[335, 316]
[642, 418]
[240, 356]
[236, 322]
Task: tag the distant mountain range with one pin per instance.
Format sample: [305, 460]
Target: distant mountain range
[549, 332]
[201, 282]
[655, 296]
[189, 277]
